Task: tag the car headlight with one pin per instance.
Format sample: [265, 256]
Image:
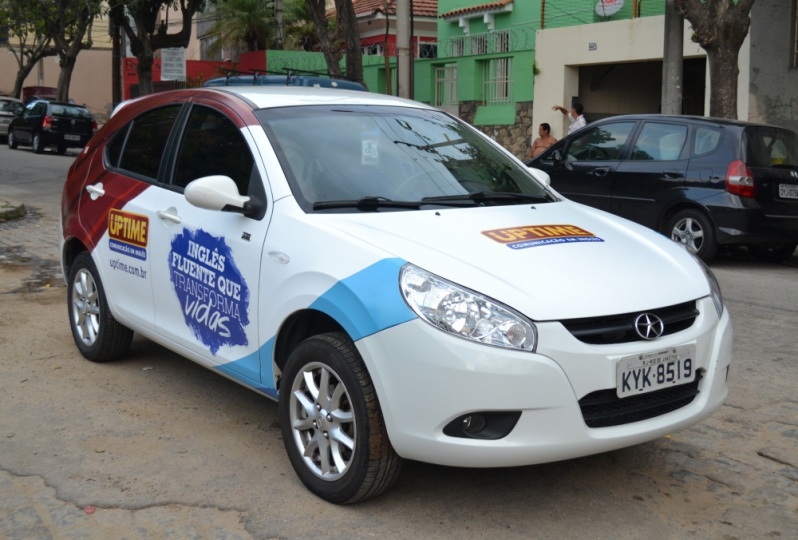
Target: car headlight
[465, 313]
[714, 286]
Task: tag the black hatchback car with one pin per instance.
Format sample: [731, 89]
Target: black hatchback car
[45, 124]
[704, 182]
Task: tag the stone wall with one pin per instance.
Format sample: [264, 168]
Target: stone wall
[516, 137]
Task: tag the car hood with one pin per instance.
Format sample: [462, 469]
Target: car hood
[550, 261]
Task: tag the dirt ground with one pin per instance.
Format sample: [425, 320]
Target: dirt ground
[153, 446]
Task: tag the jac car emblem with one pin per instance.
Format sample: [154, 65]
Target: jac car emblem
[649, 326]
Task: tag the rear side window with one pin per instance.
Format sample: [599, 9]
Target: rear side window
[706, 140]
[659, 142]
[767, 146]
[139, 148]
[604, 143]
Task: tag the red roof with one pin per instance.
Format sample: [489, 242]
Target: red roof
[421, 8]
[481, 8]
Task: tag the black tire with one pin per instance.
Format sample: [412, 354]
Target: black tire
[99, 337]
[61, 150]
[341, 428]
[36, 144]
[775, 253]
[693, 229]
[12, 140]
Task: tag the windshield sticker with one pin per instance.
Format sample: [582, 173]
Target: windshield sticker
[369, 154]
[128, 233]
[212, 292]
[540, 235]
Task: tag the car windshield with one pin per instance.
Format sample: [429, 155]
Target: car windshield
[768, 146]
[368, 158]
[6, 105]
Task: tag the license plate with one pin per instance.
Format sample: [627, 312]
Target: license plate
[644, 373]
[788, 191]
[72, 137]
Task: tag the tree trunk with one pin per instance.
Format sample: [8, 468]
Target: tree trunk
[723, 74]
[65, 77]
[347, 25]
[328, 43]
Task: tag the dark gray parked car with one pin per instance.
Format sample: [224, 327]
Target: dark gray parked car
[705, 182]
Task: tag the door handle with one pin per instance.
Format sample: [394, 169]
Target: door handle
[96, 191]
[601, 171]
[673, 175]
[170, 214]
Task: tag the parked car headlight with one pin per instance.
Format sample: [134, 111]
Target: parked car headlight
[714, 286]
[465, 313]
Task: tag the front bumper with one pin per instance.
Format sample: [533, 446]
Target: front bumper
[425, 378]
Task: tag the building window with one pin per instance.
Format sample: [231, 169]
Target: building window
[446, 89]
[497, 81]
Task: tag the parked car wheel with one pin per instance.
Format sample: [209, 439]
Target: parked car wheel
[693, 229]
[61, 150]
[12, 141]
[776, 253]
[331, 422]
[99, 337]
[36, 144]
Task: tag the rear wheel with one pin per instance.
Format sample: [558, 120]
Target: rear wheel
[332, 425]
[97, 334]
[693, 229]
[12, 140]
[61, 149]
[36, 144]
[774, 253]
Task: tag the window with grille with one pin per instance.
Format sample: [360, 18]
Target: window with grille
[496, 81]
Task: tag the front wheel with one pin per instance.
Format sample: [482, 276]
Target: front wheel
[99, 337]
[693, 229]
[332, 425]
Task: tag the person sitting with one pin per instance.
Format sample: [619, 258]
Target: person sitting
[544, 141]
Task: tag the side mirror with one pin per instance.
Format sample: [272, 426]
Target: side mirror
[217, 193]
[541, 176]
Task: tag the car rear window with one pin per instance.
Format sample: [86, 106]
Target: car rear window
[70, 111]
[768, 146]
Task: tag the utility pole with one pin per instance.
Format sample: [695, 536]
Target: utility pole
[672, 61]
[278, 18]
[403, 63]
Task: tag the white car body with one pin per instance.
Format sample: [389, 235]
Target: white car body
[548, 262]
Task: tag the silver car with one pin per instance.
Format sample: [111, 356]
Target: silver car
[10, 108]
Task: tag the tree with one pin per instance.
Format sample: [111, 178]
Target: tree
[242, 25]
[719, 27]
[33, 43]
[67, 23]
[149, 30]
[343, 38]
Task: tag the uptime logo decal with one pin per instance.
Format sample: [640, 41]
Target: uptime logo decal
[540, 235]
[212, 292]
[128, 233]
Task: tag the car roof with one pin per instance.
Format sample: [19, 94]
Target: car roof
[265, 97]
[682, 118]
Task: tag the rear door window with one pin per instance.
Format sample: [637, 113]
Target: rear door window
[139, 148]
[659, 142]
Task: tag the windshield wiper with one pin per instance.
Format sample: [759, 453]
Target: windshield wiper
[481, 197]
[366, 204]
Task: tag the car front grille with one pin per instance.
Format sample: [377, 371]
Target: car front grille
[604, 408]
[610, 329]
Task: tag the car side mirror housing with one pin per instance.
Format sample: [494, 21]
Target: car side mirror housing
[217, 192]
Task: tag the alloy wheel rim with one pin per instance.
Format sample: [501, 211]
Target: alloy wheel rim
[689, 232]
[322, 421]
[86, 307]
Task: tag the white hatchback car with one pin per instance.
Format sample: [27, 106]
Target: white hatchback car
[399, 282]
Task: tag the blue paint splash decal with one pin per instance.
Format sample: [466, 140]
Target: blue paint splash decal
[213, 294]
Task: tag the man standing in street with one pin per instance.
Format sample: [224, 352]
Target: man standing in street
[544, 141]
[575, 116]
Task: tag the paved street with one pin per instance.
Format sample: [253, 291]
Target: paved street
[154, 446]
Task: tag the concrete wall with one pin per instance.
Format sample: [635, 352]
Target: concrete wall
[773, 97]
[562, 51]
[90, 84]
